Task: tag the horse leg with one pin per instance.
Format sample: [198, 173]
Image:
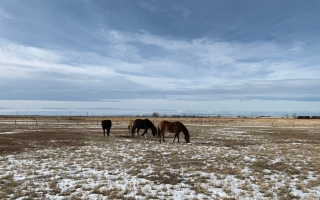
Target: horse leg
[138, 129]
[176, 135]
[108, 132]
[161, 136]
[104, 132]
[144, 133]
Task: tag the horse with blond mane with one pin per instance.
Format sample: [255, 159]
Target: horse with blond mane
[130, 125]
[172, 127]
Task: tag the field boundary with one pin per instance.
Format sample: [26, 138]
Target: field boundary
[235, 122]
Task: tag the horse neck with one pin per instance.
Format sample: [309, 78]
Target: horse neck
[184, 129]
[152, 127]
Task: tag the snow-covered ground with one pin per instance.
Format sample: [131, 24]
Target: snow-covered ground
[219, 163]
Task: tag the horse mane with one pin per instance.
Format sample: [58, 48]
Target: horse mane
[184, 129]
[152, 126]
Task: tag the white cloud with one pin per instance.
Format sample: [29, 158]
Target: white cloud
[193, 67]
[16, 53]
[213, 56]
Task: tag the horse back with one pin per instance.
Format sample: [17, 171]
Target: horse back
[136, 123]
[143, 123]
[172, 127]
[163, 125]
[106, 124]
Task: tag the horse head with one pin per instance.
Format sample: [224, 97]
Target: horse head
[187, 138]
[154, 132]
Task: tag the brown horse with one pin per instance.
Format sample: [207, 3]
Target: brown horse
[130, 125]
[173, 127]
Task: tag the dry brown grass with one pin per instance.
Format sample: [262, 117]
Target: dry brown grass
[252, 155]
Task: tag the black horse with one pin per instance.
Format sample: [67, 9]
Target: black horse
[143, 124]
[106, 124]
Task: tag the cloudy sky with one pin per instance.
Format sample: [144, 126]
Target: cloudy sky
[170, 56]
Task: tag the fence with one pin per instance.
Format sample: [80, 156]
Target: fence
[187, 121]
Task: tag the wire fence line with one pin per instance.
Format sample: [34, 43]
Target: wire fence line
[190, 122]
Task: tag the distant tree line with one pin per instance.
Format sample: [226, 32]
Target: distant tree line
[156, 114]
[308, 117]
[294, 115]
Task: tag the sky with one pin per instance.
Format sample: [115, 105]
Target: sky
[104, 57]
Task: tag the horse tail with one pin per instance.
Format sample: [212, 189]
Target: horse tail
[160, 126]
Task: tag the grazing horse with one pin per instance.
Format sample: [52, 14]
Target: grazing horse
[173, 127]
[143, 124]
[106, 124]
[130, 125]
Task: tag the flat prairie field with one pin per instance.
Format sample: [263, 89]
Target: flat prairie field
[227, 158]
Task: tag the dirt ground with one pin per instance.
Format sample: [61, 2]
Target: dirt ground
[228, 158]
